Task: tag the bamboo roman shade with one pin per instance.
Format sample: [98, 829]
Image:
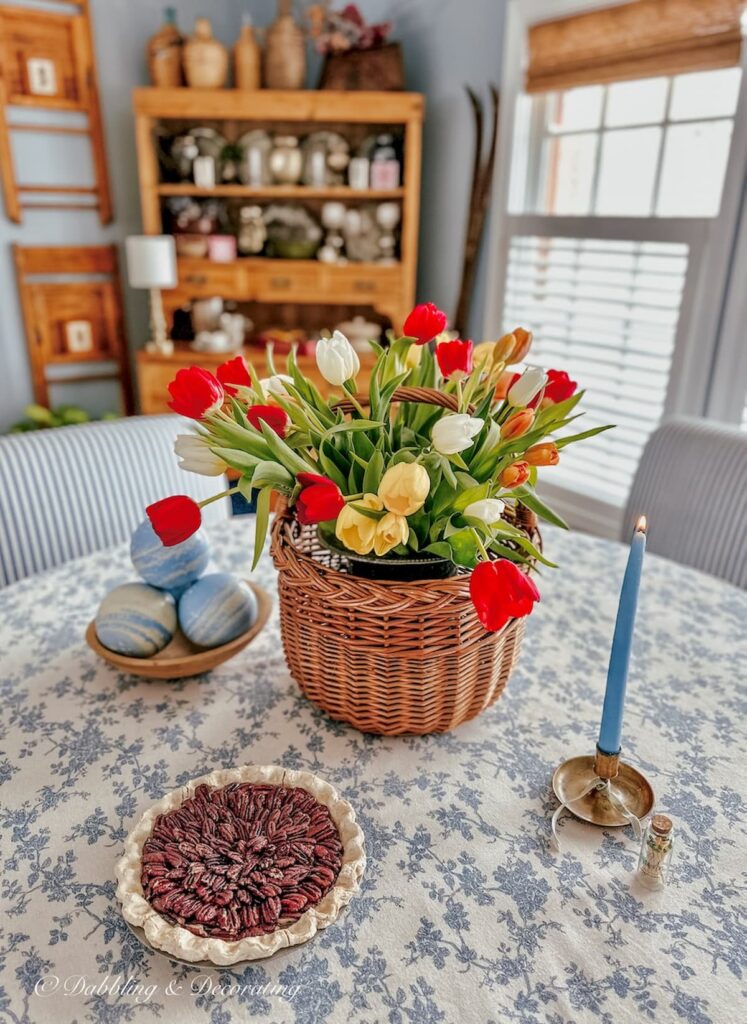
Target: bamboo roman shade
[634, 40]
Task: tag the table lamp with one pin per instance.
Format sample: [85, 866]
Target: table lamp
[151, 264]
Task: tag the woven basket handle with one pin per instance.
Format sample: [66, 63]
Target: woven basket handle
[421, 396]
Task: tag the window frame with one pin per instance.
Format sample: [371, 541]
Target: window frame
[696, 375]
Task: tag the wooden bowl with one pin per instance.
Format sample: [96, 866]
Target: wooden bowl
[181, 658]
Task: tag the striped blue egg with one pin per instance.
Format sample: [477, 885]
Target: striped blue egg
[216, 609]
[136, 620]
[171, 568]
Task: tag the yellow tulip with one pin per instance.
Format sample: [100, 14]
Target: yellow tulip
[390, 531]
[404, 488]
[412, 359]
[355, 530]
[482, 356]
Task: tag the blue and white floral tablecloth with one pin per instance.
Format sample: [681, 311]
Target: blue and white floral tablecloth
[465, 914]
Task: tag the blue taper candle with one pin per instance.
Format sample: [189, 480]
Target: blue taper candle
[610, 731]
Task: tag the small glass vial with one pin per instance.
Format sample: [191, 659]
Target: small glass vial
[656, 852]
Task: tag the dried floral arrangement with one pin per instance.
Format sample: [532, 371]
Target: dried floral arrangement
[340, 31]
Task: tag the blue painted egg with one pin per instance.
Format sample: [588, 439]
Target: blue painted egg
[136, 620]
[170, 568]
[216, 609]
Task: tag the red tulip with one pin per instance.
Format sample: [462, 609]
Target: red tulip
[455, 357]
[559, 387]
[501, 591]
[195, 393]
[321, 499]
[233, 372]
[174, 519]
[275, 418]
[424, 323]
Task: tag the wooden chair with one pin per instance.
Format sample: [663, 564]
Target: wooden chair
[64, 287]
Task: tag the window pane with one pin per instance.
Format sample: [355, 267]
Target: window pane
[692, 176]
[705, 94]
[638, 102]
[606, 312]
[627, 172]
[577, 109]
[570, 174]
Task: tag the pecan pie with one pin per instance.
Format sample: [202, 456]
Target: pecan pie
[240, 863]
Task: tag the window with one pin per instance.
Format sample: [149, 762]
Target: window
[653, 147]
[607, 313]
[617, 204]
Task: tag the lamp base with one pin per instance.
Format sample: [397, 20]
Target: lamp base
[601, 799]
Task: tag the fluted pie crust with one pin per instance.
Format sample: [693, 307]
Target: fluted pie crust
[178, 941]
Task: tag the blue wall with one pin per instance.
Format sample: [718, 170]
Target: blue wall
[447, 43]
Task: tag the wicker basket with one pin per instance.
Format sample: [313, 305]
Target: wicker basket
[387, 657]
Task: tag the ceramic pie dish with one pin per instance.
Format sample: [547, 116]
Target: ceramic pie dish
[239, 864]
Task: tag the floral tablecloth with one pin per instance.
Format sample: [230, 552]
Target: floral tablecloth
[465, 913]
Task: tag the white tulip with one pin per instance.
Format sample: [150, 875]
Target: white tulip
[196, 457]
[275, 385]
[526, 387]
[337, 359]
[455, 433]
[488, 510]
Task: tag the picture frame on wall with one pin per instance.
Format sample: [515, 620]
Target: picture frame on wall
[41, 76]
[78, 336]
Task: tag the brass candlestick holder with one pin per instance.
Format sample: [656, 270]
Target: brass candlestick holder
[602, 790]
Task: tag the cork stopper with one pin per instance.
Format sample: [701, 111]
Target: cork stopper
[661, 824]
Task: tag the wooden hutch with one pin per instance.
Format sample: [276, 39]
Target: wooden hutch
[384, 290]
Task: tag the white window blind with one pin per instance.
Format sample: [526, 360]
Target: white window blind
[606, 312]
[611, 243]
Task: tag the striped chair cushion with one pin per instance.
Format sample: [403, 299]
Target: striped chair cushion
[692, 485]
[70, 491]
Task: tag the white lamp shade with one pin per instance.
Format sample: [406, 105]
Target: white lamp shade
[151, 261]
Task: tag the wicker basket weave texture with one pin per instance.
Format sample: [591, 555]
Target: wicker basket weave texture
[386, 657]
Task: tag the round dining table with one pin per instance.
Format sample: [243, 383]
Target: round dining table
[466, 912]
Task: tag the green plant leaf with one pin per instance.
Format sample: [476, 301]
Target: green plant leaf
[329, 468]
[563, 441]
[530, 499]
[374, 472]
[412, 540]
[464, 550]
[237, 459]
[369, 513]
[471, 494]
[286, 456]
[270, 474]
[262, 520]
[440, 548]
[352, 425]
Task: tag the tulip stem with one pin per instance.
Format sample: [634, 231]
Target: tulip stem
[480, 546]
[217, 497]
[354, 401]
[460, 395]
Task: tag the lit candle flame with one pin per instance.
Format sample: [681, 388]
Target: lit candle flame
[640, 526]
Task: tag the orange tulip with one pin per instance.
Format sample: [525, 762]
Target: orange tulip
[514, 475]
[505, 381]
[504, 348]
[523, 344]
[517, 424]
[545, 454]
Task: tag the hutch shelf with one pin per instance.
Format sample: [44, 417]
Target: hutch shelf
[387, 289]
